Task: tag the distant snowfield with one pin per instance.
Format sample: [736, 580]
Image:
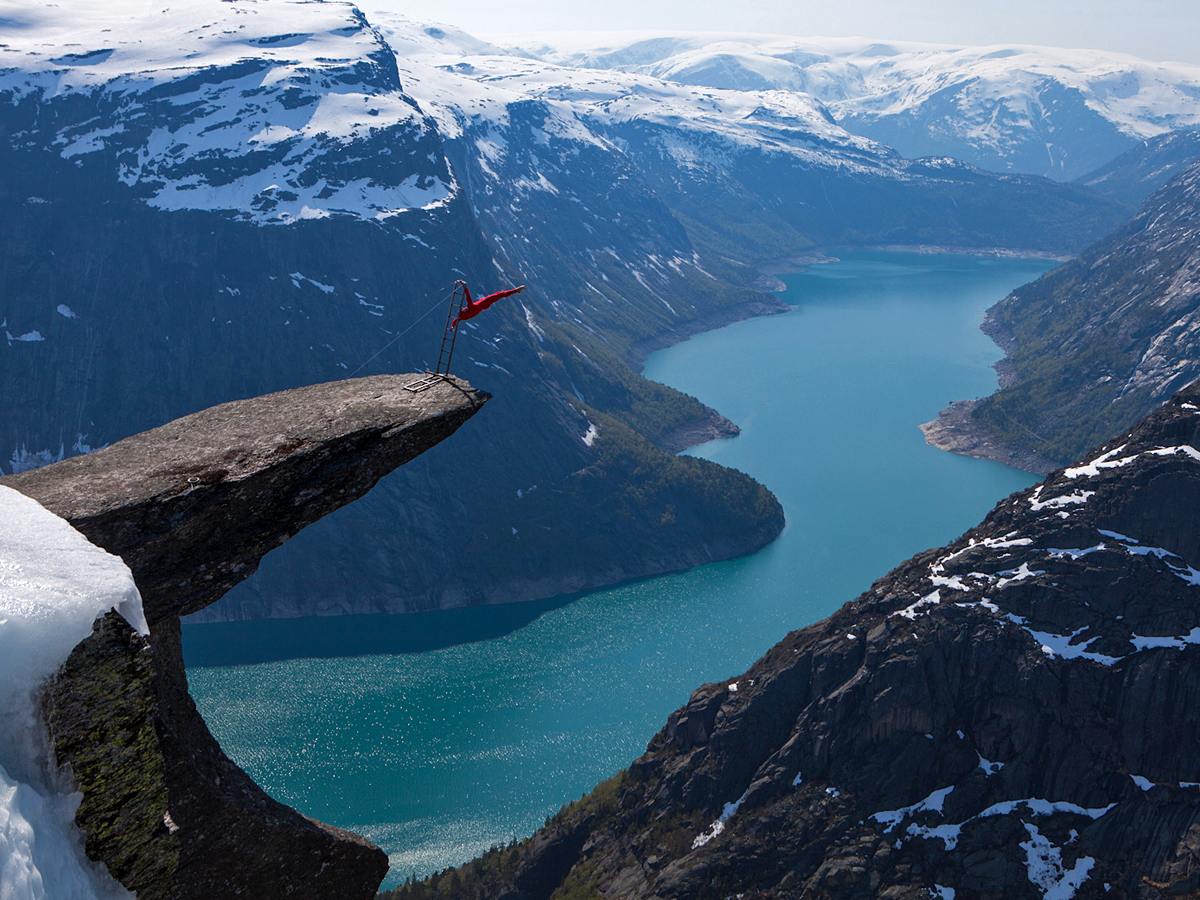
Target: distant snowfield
[468, 84]
[994, 100]
[852, 75]
[278, 110]
[53, 586]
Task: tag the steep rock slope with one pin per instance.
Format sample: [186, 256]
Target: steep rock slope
[1094, 345]
[1136, 174]
[215, 200]
[1035, 110]
[1001, 717]
[191, 507]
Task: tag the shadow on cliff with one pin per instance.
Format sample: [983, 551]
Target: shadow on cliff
[328, 637]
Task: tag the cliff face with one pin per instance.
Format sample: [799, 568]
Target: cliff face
[1094, 345]
[1007, 716]
[192, 507]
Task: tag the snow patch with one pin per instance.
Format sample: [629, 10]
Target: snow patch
[1107, 460]
[989, 768]
[1110, 460]
[955, 582]
[913, 611]
[1056, 502]
[1062, 645]
[1149, 642]
[719, 825]
[1044, 863]
[1018, 574]
[323, 288]
[1073, 553]
[53, 586]
[533, 326]
[933, 803]
[1040, 807]
[22, 460]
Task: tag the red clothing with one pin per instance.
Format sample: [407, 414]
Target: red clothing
[474, 308]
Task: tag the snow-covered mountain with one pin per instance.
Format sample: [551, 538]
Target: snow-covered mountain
[727, 163]
[1038, 110]
[274, 111]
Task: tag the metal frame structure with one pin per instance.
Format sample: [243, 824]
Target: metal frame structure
[458, 300]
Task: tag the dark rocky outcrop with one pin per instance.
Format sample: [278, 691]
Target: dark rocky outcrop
[192, 507]
[1008, 716]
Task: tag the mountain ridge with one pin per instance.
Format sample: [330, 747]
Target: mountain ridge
[1007, 108]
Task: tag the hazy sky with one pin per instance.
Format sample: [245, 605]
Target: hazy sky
[1154, 29]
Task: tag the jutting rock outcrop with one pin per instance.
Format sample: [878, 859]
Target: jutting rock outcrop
[192, 507]
[1012, 715]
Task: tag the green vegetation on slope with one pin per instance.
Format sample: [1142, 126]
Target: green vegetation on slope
[635, 494]
[1075, 337]
[494, 871]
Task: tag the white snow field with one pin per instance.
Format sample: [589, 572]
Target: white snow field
[997, 101]
[273, 109]
[53, 586]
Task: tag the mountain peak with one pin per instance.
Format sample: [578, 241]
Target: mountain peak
[270, 112]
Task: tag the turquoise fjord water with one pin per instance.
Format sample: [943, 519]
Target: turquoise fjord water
[441, 734]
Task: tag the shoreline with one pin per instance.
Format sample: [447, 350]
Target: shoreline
[567, 587]
[951, 433]
[768, 282]
[956, 431]
[712, 427]
[936, 249]
[740, 312]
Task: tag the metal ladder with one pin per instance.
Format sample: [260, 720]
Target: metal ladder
[458, 298]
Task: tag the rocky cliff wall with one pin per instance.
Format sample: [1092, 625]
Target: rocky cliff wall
[192, 507]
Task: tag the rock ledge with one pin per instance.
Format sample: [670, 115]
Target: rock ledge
[192, 507]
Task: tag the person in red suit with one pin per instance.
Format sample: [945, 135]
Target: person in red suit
[475, 307]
